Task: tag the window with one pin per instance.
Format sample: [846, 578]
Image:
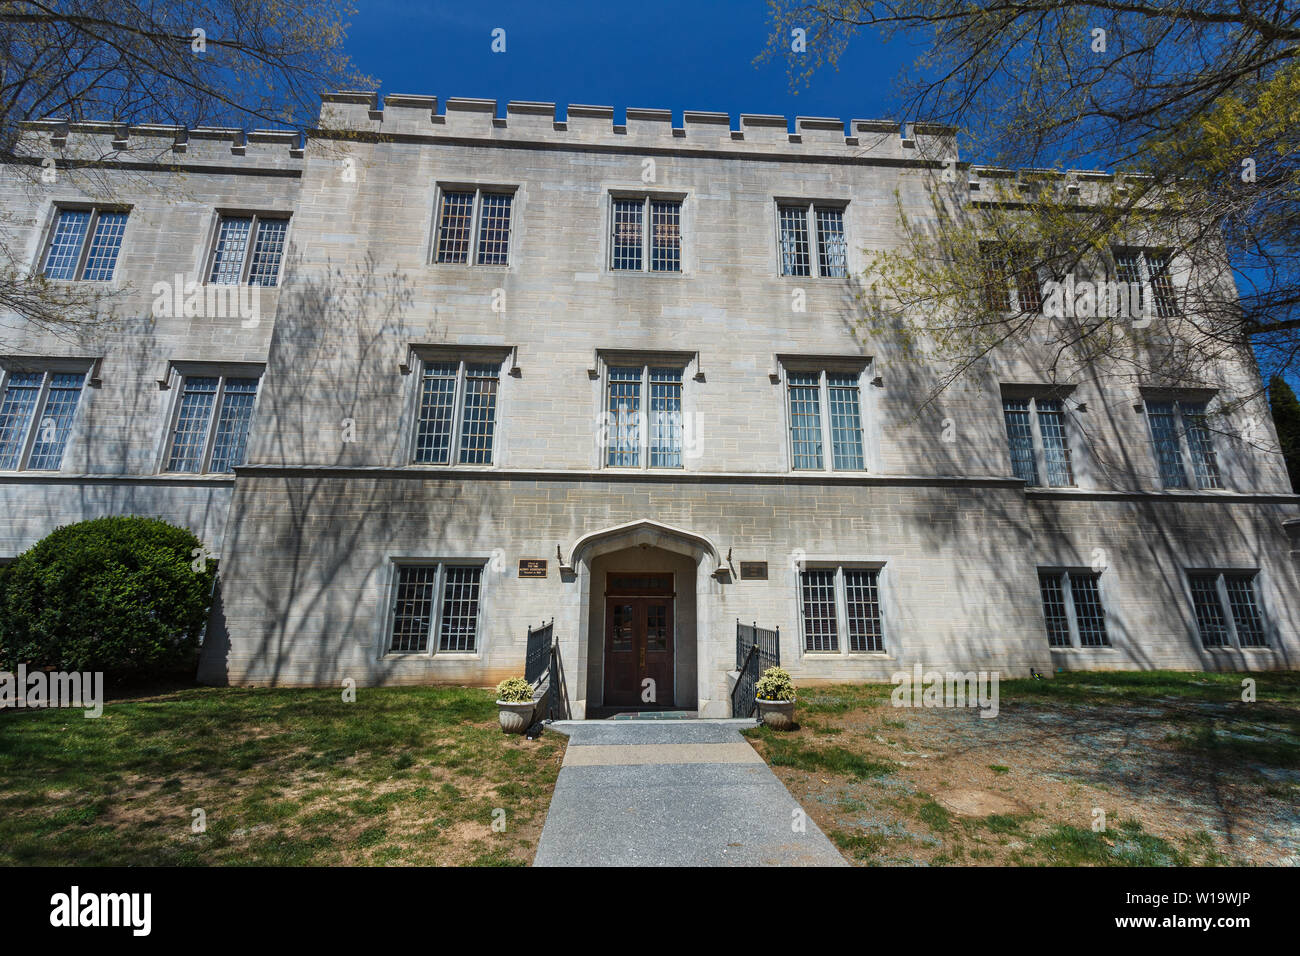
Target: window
[210, 432]
[457, 411]
[441, 599]
[477, 221]
[633, 437]
[1179, 436]
[1072, 608]
[1036, 433]
[811, 431]
[1146, 271]
[36, 415]
[631, 245]
[1227, 614]
[830, 595]
[248, 250]
[85, 244]
[796, 223]
[1005, 267]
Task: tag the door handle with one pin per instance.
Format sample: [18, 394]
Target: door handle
[643, 655]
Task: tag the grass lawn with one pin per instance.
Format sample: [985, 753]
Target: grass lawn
[284, 777]
[1184, 771]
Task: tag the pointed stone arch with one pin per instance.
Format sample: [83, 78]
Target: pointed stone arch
[644, 532]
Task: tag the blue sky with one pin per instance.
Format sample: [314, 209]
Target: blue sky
[665, 55]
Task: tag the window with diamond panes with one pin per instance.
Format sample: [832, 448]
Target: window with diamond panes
[36, 414]
[84, 244]
[456, 413]
[210, 430]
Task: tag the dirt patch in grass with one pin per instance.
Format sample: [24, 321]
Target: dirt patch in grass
[1086, 769]
[228, 776]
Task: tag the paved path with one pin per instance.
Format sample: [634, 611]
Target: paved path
[672, 793]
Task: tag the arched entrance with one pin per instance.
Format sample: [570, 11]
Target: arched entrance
[641, 615]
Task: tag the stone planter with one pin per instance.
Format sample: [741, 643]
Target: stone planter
[515, 716]
[777, 714]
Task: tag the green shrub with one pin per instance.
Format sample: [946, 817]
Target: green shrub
[775, 685]
[516, 690]
[118, 595]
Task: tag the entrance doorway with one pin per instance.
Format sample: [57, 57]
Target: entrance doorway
[639, 639]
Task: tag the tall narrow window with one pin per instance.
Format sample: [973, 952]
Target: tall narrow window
[36, 416]
[213, 416]
[1227, 614]
[636, 432]
[1179, 435]
[474, 221]
[248, 250]
[839, 427]
[832, 252]
[795, 260]
[831, 595]
[995, 288]
[665, 236]
[632, 246]
[796, 222]
[846, 422]
[665, 417]
[806, 420]
[433, 598]
[1036, 433]
[85, 244]
[862, 600]
[457, 410]
[1072, 609]
[820, 625]
[1020, 434]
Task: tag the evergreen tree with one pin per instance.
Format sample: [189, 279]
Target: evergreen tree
[1286, 416]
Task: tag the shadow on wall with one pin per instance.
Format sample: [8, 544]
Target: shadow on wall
[958, 430]
[293, 580]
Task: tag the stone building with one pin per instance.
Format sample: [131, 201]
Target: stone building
[453, 374]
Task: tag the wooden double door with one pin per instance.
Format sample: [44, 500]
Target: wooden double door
[639, 640]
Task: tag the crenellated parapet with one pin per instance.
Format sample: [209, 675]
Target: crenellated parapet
[402, 116]
[160, 145]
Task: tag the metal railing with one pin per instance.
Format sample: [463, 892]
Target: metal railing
[757, 649]
[542, 670]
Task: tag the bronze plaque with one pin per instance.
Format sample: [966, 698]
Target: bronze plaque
[532, 567]
[753, 570]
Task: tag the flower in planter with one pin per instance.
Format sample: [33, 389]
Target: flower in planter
[775, 685]
[516, 690]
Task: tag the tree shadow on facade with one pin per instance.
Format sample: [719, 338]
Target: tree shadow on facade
[308, 511]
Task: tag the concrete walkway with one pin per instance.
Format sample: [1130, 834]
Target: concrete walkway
[673, 793]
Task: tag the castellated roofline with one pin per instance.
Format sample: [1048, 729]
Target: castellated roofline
[358, 114]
